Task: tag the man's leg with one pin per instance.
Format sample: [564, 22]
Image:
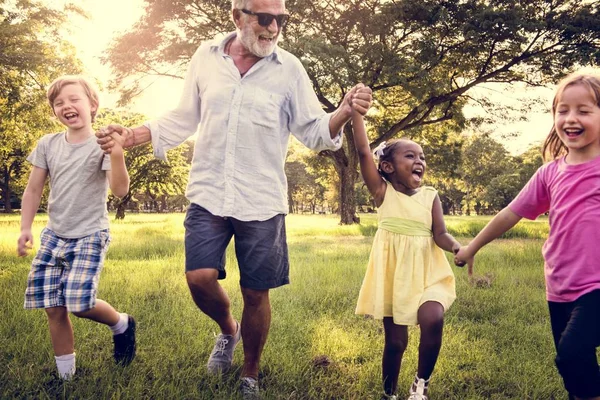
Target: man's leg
[211, 299]
[256, 321]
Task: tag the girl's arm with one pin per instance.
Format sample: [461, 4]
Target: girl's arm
[370, 174]
[29, 206]
[501, 223]
[118, 178]
[442, 238]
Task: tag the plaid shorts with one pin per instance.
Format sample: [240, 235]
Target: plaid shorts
[65, 272]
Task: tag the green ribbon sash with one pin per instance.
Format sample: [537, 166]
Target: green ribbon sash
[405, 227]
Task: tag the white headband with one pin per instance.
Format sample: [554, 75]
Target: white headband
[378, 151]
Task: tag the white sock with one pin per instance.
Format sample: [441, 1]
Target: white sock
[120, 326]
[66, 366]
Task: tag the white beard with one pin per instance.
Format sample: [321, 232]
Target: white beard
[250, 41]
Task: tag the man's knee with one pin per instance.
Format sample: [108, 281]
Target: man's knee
[200, 280]
[255, 298]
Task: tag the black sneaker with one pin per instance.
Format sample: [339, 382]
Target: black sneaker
[124, 352]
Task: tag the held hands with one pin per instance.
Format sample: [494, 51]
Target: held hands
[114, 136]
[358, 99]
[24, 243]
[464, 256]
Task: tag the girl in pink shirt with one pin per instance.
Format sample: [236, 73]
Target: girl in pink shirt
[568, 188]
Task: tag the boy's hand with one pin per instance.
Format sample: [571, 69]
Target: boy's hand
[114, 135]
[24, 243]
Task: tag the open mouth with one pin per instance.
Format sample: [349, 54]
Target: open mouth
[265, 39]
[573, 132]
[70, 115]
[417, 174]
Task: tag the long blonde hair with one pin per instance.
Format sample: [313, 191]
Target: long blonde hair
[553, 147]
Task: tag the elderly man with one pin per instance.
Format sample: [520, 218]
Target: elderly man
[245, 95]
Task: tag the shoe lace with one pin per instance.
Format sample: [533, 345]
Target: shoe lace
[220, 345]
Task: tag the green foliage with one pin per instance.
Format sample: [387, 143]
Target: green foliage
[32, 53]
[421, 58]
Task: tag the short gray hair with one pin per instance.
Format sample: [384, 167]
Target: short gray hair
[239, 4]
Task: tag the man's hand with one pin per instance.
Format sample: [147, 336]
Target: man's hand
[114, 135]
[361, 98]
[24, 243]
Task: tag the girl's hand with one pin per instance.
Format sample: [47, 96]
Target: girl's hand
[463, 256]
[455, 249]
[24, 243]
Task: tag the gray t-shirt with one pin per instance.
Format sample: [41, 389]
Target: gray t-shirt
[78, 184]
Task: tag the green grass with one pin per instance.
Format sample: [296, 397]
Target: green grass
[497, 340]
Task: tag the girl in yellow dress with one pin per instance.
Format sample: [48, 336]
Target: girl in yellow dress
[408, 280]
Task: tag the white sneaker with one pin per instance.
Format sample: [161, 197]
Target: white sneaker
[221, 358]
[418, 388]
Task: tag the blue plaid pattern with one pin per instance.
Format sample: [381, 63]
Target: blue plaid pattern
[65, 272]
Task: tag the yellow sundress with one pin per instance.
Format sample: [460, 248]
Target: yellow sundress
[406, 268]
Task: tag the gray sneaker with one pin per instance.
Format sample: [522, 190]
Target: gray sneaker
[222, 355]
[249, 388]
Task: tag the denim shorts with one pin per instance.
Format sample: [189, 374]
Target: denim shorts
[65, 272]
[260, 247]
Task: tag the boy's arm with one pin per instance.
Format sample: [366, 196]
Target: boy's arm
[442, 238]
[29, 206]
[118, 178]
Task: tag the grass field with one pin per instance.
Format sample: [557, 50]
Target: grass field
[497, 340]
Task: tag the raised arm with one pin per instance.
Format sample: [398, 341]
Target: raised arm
[29, 206]
[370, 174]
[118, 178]
[358, 99]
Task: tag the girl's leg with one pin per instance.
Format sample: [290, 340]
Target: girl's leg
[576, 331]
[431, 321]
[102, 312]
[61, 331]
[396, 340]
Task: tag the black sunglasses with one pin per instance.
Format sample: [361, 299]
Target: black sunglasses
[265, 19]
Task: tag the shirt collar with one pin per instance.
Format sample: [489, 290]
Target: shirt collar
[219, 46]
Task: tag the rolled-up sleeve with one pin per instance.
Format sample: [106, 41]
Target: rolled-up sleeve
[308, 121]
[175, 126]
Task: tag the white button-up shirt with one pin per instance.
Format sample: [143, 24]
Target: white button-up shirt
[243, 124]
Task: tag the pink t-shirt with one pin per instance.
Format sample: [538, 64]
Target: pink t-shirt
[572, 251]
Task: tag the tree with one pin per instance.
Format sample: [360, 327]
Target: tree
[147, 174]
[420, 57]
[32, 53]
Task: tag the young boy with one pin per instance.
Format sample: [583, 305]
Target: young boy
[64, 274]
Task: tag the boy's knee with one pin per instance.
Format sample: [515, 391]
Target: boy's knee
[56, 313]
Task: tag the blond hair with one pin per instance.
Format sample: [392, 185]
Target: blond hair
[553, 146]
[61, 82]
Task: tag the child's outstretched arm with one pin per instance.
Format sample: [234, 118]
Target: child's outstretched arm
[501, 223]
[370, 174]
[29, 206]
[118, 178]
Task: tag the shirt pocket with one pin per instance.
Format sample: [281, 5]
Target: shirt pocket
[267, 109]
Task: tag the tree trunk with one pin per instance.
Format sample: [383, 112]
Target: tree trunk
[348, 176]
[122, 206]
[6, 194]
